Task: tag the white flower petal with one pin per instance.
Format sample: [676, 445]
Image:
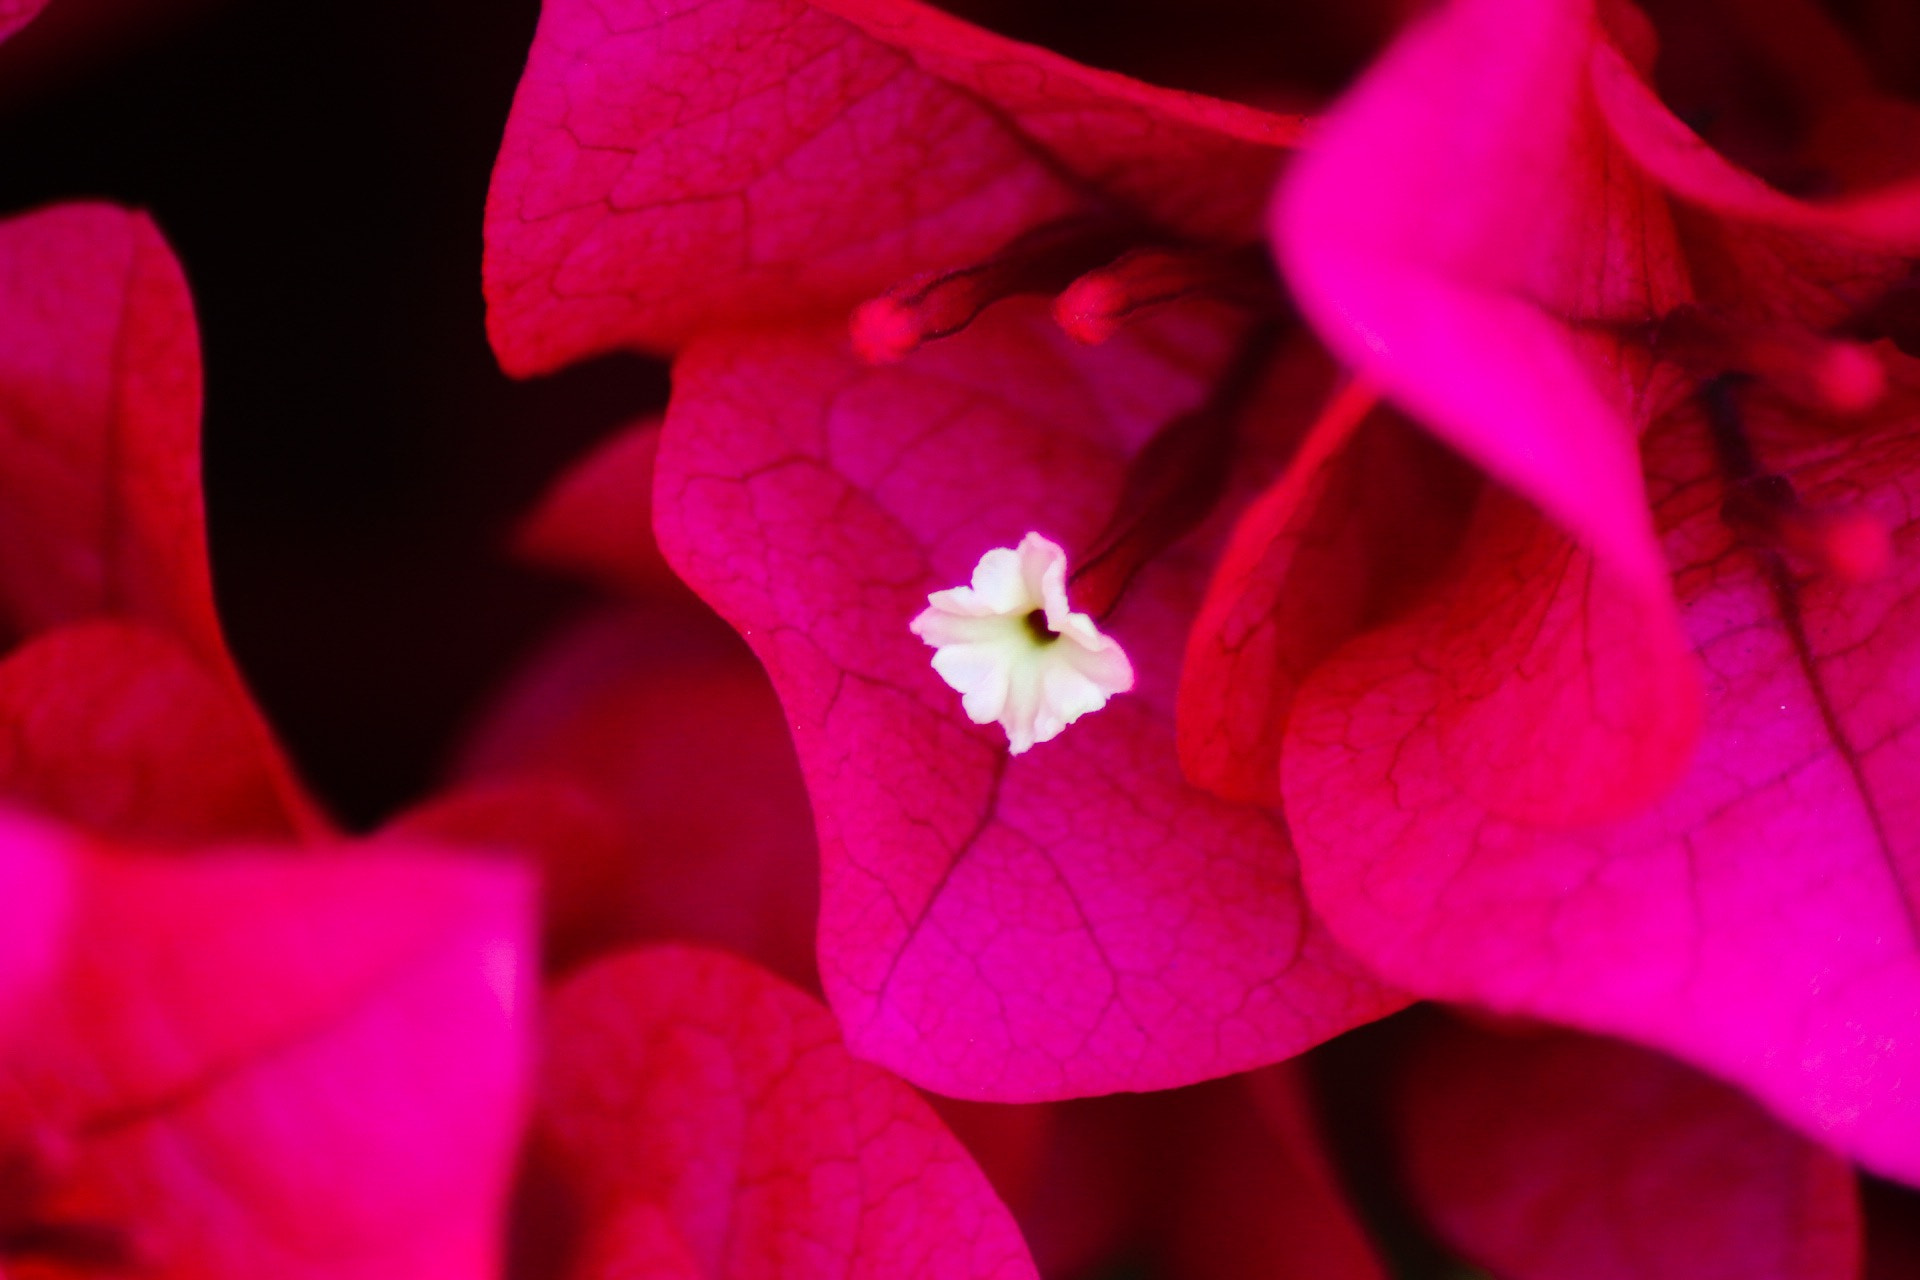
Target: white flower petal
[1000, 582]
[985, 649]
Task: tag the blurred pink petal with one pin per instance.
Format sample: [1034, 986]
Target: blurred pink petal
[711, 1124]
[117, 728]
[1554, 1156]
[699, 826]
[100, 452]
[250, 1066]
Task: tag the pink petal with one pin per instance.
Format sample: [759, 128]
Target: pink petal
[1312, 561]
[1554, 1156]
[708, 1113]
[1452, 220]
[34, 905]
[1887, 219]
[100, 426]
[251, 1067]
[100, 444]
[666, 725]
[672, 166]
[15, 14]
[115, 727]
[1076, 920]
[1760, 921]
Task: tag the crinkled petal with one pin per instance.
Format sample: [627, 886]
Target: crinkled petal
[1760, 921]
[1074, 920]
[639, 196]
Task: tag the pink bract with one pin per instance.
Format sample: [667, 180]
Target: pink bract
[15, 14]
[1077, 920]
[710, 1124]
[1760, 920]
[1546, 1155]
[642, 195]
[233, 1061]
[245, 1066]
[1501, 799]
[104, 558]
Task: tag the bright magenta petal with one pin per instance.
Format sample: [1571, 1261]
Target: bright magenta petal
[1761, 921]
[1554, 1156]
[34, 901]
[712, 1124]
[672, 166]
[100, 447]
[15, 14]
[117, 728]
[1078, 919]
[253, 1067]
[1456, 215]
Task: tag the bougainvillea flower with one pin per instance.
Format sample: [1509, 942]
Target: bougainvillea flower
[709, 1123]
[1555, 1156]
[676, 167]
[103, 566]
[246, 1065]
[1083, 922]
[1758, 918]
[1076, 919]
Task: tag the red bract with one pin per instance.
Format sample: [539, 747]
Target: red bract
[1074, 921]
[104, 557]
[1484, 794]
[710, 1124]
[676, 167]
[236, 1063]
[243, 1066]
[698, 828]
[1552, 1156]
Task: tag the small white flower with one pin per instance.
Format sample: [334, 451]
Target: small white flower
[1015, 652]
